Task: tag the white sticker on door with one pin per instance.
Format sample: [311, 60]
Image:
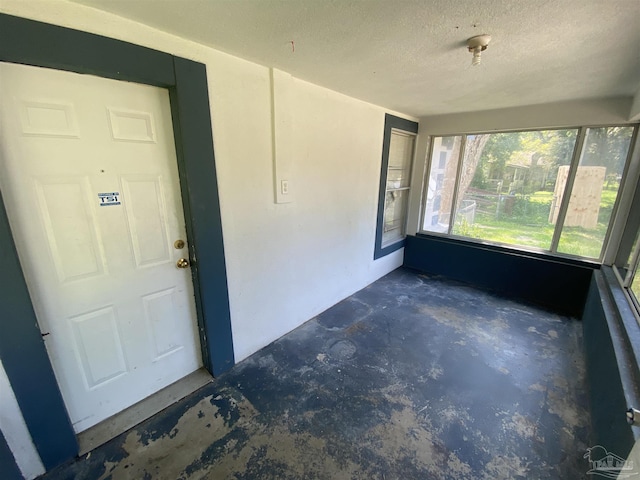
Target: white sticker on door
[109, 199]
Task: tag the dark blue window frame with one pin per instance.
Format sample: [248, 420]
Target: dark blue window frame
[391, 122]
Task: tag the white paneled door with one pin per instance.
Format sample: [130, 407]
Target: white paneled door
[90, 182]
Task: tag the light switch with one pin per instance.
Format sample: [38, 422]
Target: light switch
[284, 187]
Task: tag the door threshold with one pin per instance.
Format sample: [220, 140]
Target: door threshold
[130, 417]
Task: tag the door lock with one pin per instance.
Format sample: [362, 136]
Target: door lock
[182, 263]
[178, 244]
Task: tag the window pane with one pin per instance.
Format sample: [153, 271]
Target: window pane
[595, 190]
[400, 155]
[628, 264]
[507, 188]
[395, 208]
[635, 286]
[442, 179]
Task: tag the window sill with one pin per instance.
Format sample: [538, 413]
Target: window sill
[627, 331]
[387, 249]
[611, 344]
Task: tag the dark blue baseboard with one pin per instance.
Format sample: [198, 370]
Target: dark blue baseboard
[558, 284]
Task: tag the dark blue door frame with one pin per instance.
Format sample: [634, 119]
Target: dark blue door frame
[22, 349]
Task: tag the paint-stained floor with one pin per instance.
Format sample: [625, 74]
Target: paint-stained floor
[411, 378]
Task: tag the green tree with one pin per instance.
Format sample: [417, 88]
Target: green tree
[536, 153]
[472, 152]
[607, 147]
[495, 154]
[563, 145]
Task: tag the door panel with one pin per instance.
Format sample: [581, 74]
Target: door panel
[147, 219]
[131, 126]
[48, 119]
[160, 315]
[72, 234]
[98, 346]
[90, 182]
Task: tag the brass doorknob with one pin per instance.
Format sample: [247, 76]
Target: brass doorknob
[182, 263]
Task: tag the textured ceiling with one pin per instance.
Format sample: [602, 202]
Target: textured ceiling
[410, 56]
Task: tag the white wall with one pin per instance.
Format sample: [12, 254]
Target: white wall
[288, 262]
[275, 252]
[285, 262]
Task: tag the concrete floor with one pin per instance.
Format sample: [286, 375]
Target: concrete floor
[410, 378]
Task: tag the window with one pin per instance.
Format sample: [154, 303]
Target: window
[633, 275]
[629, 270]
[441, 183]
[395, 179]
[554, 190]
[443, 159]
[595, 190]
[627, 263]
[436, 203]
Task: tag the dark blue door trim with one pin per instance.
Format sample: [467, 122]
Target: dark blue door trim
[8, 466]
[194, 142]
[22, 350]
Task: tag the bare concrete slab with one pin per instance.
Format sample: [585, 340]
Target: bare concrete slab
[410, 378]
[123, 421]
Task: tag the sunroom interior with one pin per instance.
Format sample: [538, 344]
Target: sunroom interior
[329, 168]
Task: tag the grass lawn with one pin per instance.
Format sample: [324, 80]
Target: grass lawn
[635, 285]
[527, 224]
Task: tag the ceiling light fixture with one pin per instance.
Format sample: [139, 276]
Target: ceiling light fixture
[476, 45]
